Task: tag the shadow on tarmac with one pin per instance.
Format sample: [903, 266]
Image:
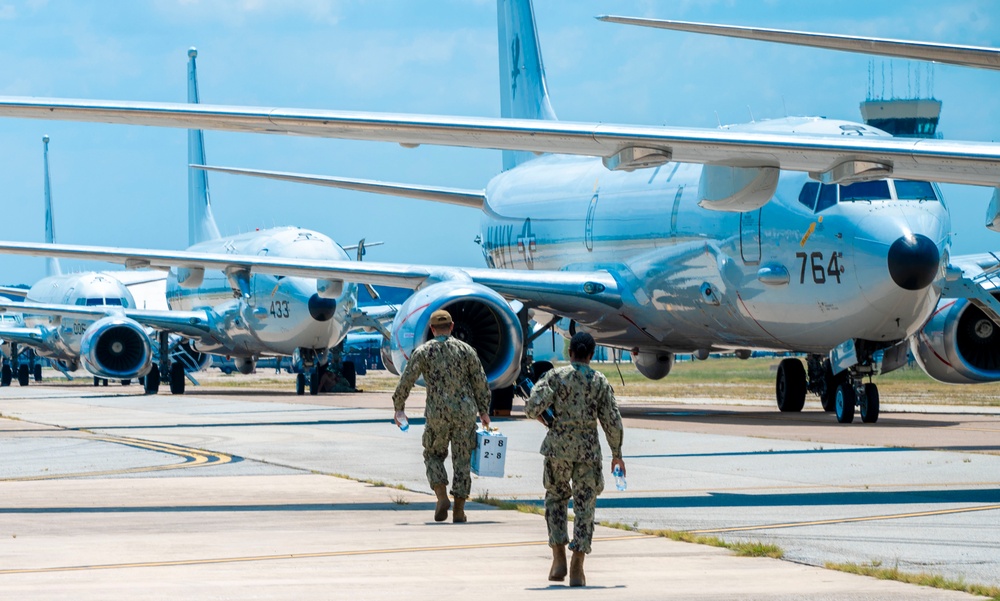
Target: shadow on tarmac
[855, 498]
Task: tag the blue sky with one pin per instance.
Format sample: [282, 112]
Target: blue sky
[127, 186]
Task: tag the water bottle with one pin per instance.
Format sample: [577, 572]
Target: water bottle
[404, 424]
[620, 483]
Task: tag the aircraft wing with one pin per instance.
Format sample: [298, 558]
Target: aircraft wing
[466, 198]
[831, 159]
[952, 54]
[13, 292]
[564, 292]
[22, 335]
[186, 323]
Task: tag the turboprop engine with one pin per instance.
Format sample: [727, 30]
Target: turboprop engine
[959, 345]
[482, 318]
[116, 347]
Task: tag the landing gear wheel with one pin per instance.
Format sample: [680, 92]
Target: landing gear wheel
[104, 381]
[23, 375]
[97, 381]
[177, 378]
[501, 401]
[347, 369]
[126, 382]
[152, 381]
[539, 369]
[829, 398]
[6, 375]
[869, 407]
[846, 398]
[38, 373]
[300, 384]
[314, 378]
[790, 385]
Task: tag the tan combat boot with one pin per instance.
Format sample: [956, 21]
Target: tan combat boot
[558, 571]
[443, 504]
[458, 516]
[576, 576]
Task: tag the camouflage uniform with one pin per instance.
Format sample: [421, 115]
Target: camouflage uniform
[579, 397]
[456, 393]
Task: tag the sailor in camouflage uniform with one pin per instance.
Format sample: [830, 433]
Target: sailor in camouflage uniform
[571, 400]
[456, 392]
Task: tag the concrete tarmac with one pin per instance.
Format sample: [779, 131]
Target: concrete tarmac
[110, 494]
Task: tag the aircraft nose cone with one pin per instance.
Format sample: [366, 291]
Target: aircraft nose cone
[322, 309]
[914, 262]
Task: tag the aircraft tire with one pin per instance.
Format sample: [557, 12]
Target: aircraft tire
[97, 381]
[6, 375]
[23, 375]
[790, 386]
[870, 405]
[126, 382]
[348, 370]
[300, 384]
[314, 378]
[501, 401]
[152, 381]
[104, 381]
[38, 372]
[846, 398]
[539, 369]
[177, 378]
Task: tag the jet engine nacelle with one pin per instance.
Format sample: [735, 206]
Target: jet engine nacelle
[116, 347]
[654, 365]
[482, 318]
[959, 345]
[386, 351]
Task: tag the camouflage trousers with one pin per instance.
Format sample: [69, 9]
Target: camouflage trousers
[438, 434]
[581, 480]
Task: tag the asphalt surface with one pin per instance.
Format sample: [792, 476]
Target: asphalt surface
[256, 494]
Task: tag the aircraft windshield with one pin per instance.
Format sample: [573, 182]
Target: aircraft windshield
[876, 190]
[909, 190]
[98, 302]
[818, 197]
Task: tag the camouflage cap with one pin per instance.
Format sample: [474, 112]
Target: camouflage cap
[440, 318]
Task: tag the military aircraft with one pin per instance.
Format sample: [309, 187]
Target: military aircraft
[109, 345]
[809, 235]
[233, 312]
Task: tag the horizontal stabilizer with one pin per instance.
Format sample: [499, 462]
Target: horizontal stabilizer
[978, 57]
[465, 198]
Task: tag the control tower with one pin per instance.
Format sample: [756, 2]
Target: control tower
[910, 117]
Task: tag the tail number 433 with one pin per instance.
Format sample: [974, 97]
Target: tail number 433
[819, 268]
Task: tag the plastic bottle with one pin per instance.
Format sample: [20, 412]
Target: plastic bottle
[404, 424]
[620, 483]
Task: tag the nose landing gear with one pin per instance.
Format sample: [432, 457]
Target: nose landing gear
[840, 393]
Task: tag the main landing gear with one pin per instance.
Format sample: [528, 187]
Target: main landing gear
[839, 393]
[325, 371]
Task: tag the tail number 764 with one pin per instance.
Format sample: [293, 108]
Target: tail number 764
[819, 268]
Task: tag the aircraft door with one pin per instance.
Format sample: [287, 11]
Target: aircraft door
[750, 237]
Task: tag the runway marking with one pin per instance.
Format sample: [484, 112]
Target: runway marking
[873, 518]
[320, 554]
[192, 458]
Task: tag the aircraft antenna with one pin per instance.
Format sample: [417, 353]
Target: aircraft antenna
[717, 120]
[783, 106]
[750, 110]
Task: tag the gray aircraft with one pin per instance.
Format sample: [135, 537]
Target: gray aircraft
[809, 235]
[231, 311]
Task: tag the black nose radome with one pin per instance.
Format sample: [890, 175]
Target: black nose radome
[914, 262]
[322, 309]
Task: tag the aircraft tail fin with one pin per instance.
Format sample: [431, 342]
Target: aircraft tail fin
[51, 263]
[201, 223]
[523, 92]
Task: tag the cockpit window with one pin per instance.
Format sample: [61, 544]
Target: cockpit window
[95, 302]
[827, 197]
[909, 190]
[113, 301]
[98, 302]
[876, 190]
[808, 194]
